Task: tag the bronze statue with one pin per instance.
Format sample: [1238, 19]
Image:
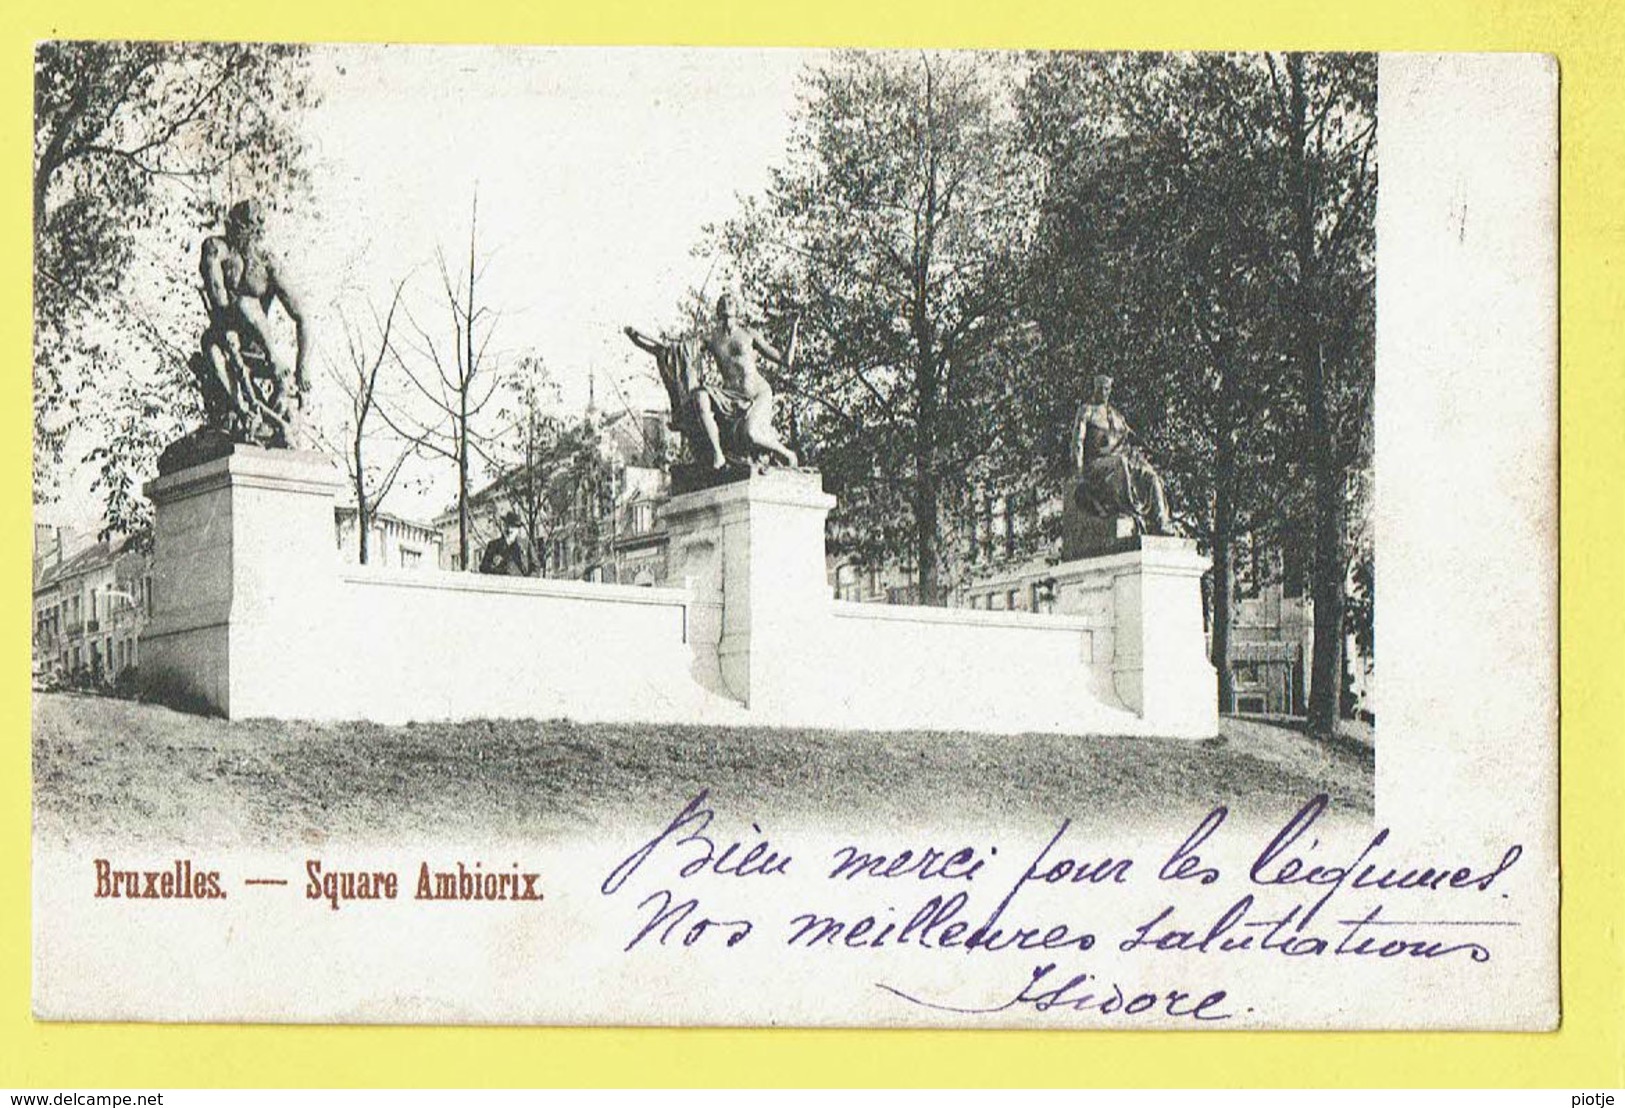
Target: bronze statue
[249, 391]
[734, 418]
[1113, 476]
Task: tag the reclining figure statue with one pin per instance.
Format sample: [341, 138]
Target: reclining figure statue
[733, 418]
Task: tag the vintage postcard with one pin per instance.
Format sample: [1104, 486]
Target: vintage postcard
[795, 538]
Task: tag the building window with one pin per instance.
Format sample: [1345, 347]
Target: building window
[1014, 599]
[1028, 527]
[1292, 575]
[1249, 567]
[1043, 596]
[411, 559]
[844, 576]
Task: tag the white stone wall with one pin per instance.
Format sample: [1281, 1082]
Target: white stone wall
[954, 669]
[412, 644]
[258, 615]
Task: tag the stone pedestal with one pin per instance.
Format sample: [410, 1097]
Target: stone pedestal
[1084, 535]
[1148, 600]
[753, 552]
[244, 572]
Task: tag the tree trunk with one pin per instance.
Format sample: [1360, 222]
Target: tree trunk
[361, 521]
[465, 384]
[1325, 678]
[925, 537]
[1223, 584]
[927, 494]
[462, 500]
[1327, 586]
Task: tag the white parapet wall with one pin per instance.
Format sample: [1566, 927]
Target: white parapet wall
[256, 615]
[414, 644]
[957, 669]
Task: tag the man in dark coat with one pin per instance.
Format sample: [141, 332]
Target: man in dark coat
[507, 554]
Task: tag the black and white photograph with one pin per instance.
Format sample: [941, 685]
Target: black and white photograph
[730, 537]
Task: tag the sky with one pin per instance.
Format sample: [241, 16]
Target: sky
[596, 170]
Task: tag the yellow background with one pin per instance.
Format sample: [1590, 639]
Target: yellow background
[1589, 1051]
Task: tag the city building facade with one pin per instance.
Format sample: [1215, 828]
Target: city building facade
[91, 599]
[601, 518]
[392, 540]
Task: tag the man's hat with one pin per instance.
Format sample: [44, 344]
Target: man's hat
[510, 519]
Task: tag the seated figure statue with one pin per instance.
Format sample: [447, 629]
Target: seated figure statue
[733, 417]
[1112, 476]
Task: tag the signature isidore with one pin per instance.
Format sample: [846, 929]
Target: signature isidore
[1048, 989]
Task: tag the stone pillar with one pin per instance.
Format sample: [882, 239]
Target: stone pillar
[1150, 599]
[245, 564]
[753, 551]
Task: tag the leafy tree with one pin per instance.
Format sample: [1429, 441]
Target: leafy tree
[1321, 112]
[894, 235]
[1160, 264]
[138, 145]
[138, 405]
[578, 495]
[1173, 255]
[530, 450]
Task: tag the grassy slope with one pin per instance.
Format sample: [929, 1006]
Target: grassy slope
[108, 767]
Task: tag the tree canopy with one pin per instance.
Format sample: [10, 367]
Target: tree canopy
[895, 235]
[1208, 237]
[137, 147]
[966, 241]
